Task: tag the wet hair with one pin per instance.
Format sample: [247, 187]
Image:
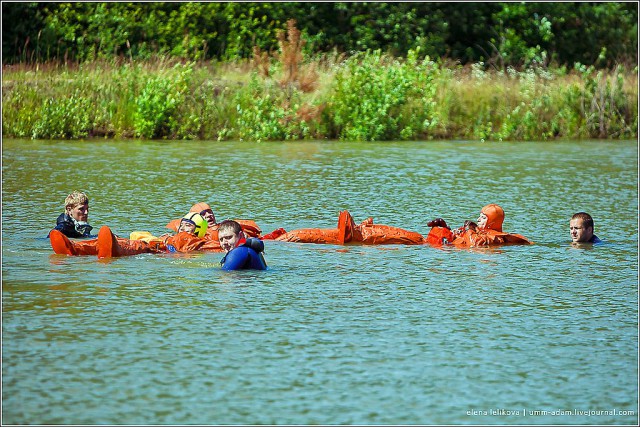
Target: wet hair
[229, 224]
[587, 221]
[76, 198]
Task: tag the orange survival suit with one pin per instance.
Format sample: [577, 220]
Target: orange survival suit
[470, 235]
[249, 227]
[185, 244]
[366, 233]
[108, 245]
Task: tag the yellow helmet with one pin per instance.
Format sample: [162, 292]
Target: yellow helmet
[197, 220]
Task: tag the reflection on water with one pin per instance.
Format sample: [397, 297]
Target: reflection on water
[329, 334]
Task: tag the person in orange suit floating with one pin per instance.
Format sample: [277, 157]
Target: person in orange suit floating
[347, 231]
[487, 232]
[249, 227]
[73, 222]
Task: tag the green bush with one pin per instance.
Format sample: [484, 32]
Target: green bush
[64, 118]
[376, 97]
[266, 111]
[604, 104]
[20, 102]
[158, 101]
[366, 94]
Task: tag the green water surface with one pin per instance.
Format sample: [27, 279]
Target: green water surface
[542, 334]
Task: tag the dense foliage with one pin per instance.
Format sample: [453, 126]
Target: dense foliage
[498, 34]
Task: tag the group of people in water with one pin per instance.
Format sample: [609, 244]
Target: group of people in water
[243, 241]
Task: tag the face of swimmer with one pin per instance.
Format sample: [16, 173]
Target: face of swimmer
[228, 239]
[79, 212]
[208, 215]
[482, 221]
[579, 232]
[187, 226]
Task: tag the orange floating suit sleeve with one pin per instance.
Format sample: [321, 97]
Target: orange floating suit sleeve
[439, 236]
[327, 236]
[274, 234]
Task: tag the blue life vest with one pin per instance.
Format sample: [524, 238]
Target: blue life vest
[246, 256]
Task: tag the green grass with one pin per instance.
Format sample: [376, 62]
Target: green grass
[369, 97]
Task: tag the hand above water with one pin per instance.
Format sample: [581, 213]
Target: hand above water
[438, 222]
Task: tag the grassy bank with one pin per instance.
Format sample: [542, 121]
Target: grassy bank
[369, 96]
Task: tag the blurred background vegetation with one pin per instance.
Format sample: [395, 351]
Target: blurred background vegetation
[499, 34]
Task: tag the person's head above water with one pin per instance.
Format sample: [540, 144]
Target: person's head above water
[491, 217]
[581, 227]
[205, 211]
[77, 206]
[193, 223]
[229, 234]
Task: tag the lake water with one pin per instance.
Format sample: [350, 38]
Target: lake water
[542, 334]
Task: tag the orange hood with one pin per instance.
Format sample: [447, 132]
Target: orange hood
[199, 207]
[495, 217]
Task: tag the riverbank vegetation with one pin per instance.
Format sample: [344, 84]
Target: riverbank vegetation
[368, 96]
[285, 90]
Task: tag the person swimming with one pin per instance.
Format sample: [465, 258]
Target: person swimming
[241, 253]
[581, 229]
[73, 222]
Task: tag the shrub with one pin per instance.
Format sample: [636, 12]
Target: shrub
[65, 118]
[376, 97]
[157, 102]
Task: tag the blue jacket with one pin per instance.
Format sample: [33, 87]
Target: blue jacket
[66, 226]
[246, 256]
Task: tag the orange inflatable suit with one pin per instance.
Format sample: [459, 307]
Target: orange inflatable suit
[471, 236]
[249, 227]
[369, 233]
[62, 245]
[107, 245]
[365, 233]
